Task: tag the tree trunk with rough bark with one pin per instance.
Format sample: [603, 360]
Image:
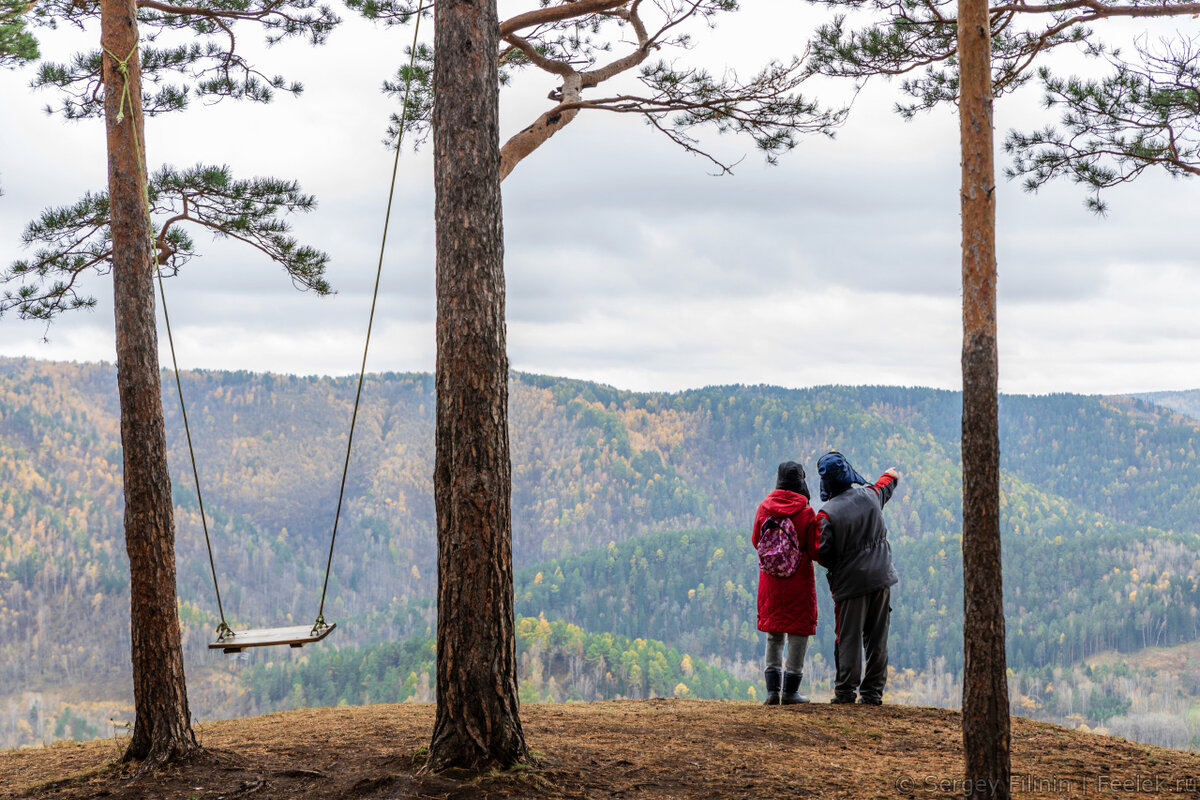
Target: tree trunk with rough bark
[985, 689]
[162, 730]
[478, 723]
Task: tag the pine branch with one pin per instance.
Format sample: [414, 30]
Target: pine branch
[205, 64]
[920, 36]
[17, 45]
[768, 108]
[1098, 10]
[568, 40]
[391, 12]
[1144, 115]
[417, 83]
[75, 240]
[562, 12]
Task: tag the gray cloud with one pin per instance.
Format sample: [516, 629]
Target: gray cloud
[627, 262]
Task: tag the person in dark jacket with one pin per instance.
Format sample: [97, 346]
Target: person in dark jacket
[854, 548]
[787, 607]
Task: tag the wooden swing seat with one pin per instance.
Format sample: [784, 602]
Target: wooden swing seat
[295, 636]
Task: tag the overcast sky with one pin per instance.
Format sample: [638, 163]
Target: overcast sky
[627, 262]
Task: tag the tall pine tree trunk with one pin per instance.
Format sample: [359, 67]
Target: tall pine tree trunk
[162, 727]
[985, 687]
[478, 722]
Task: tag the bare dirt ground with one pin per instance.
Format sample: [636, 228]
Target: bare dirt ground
[654, 749]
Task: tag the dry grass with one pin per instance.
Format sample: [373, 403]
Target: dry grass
[655, 749]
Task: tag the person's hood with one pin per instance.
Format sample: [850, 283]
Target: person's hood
[836, 474]
[782, 503]
[792, 477]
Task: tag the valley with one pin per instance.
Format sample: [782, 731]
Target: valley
[631, 524]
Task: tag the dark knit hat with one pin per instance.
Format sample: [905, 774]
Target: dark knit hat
[792, 478]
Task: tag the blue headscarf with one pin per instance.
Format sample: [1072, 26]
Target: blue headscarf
[836, 474]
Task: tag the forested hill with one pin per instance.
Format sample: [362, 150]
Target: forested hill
[1101, 499]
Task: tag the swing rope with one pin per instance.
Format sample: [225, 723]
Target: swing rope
[223, 629]
[320, 621]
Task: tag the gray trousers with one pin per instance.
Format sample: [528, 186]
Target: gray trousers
[797, 646]
[862, 624]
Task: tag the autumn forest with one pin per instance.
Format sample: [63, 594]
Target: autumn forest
[631, 513]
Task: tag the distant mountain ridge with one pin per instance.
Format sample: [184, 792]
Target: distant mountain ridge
[1185, 402]
[1099, 514]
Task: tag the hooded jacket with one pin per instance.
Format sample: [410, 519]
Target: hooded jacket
[853, 540]
[789, 605]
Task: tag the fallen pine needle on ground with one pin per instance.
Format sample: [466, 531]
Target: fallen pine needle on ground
[652, 749]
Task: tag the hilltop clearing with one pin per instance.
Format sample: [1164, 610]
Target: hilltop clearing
[654, 749]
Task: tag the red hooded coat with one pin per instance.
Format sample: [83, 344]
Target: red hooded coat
[789, 605]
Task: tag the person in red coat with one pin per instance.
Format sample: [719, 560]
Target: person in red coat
[787, 607]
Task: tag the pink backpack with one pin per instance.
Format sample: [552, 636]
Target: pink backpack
[778, 547]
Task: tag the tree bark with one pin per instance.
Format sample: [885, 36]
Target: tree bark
[985, 688]
[162, 729]
[477, 723]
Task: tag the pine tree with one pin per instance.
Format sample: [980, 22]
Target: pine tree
[1145, 115]
[115, 231]
[986, 735]
[478, 720]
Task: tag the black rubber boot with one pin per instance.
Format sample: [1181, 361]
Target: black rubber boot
[774, 680]
[791, 690]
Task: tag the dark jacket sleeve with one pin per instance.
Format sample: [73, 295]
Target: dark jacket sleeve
[885, 487]
[826, 550]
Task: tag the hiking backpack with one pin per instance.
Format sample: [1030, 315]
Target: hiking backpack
[778, 547]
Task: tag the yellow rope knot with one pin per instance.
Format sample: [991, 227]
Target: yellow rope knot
[143, 174]
[123, 68]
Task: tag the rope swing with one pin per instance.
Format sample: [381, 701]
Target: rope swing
[226, 639]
